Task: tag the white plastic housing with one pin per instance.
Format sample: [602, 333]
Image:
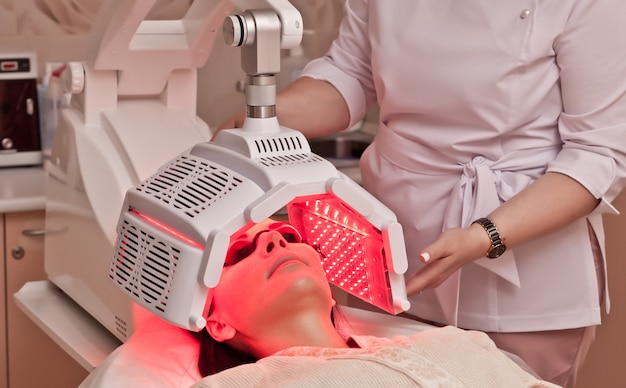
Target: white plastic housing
[204, 196]
[135, 111]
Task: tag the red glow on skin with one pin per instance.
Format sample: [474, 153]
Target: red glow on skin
[284, 263]
[168, 230]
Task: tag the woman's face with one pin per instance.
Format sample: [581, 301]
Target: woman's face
[269, 275]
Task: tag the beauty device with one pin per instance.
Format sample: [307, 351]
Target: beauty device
[175, 226]
[133, 108]
[133, 113]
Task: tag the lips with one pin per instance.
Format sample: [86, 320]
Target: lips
[283, 261]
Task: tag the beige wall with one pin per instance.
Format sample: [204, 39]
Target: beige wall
[32, 25]
[57, 30]
[606, 363]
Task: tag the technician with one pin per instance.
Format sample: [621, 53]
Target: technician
[501, 142]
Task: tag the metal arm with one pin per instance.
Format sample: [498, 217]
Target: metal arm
[262, 33]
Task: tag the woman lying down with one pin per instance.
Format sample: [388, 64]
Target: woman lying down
[273, 322]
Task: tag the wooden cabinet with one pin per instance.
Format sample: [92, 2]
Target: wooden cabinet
[3, 313]
[30, 358]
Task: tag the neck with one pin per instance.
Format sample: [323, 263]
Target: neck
[301, 330]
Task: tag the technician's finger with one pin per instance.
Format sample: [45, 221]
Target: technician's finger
[433, 253]
[414, 285]
[428, 277]
[437, 250]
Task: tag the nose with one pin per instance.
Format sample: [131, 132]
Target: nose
[270, 241]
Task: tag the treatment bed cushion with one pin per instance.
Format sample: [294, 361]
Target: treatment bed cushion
[162, 355]
[157, 355]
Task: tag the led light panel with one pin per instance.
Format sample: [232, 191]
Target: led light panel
[351, 248]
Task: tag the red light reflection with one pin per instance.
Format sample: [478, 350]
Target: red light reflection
[168, 230]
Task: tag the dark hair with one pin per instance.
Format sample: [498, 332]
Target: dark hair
[217, 356]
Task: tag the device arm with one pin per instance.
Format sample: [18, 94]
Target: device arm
[291, 22]
[238, 32]
[261, 34]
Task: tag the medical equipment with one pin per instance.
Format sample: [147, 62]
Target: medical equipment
[132, 111]
[133, 108]
[175, 227]
[20, 140]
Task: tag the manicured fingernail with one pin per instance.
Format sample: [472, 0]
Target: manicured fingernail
[425, 257]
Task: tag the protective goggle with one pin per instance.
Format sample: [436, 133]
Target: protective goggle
[242, 246]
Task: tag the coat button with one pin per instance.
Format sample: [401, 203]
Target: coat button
[524, 14]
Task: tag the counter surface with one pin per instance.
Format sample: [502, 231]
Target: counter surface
[22, 189]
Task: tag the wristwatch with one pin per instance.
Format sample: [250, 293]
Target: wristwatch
[497, 246]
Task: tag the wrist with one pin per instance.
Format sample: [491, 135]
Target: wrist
[495, 240]
[481, 238]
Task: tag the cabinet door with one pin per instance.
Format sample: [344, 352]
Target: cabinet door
[3, 316]
[34, 359]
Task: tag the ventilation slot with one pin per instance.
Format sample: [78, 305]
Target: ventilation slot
[120, 327]
[144, 266]
[283, 160]
[278, 145]
[189, 185]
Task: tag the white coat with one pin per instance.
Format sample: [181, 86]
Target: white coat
[478, 98]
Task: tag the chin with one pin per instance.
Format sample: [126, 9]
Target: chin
[303, 289]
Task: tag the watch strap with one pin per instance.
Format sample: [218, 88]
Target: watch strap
[497, 245]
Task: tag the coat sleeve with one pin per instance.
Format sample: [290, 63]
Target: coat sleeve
[347, 64]
[592, 61]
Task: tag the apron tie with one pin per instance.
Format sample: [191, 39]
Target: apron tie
[479, 191]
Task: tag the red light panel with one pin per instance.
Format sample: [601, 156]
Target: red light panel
[351, 248]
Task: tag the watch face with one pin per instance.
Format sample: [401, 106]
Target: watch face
[497, 251]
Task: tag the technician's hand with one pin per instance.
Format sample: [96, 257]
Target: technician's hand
[453, 249]
[234, 121]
